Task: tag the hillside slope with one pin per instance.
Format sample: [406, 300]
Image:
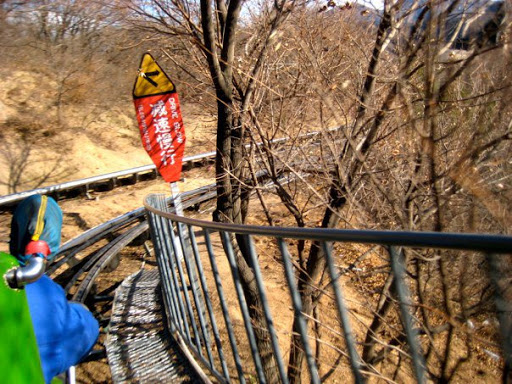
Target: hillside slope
[47, 142]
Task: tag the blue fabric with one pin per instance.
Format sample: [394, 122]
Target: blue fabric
[65, 331]
[24, 222]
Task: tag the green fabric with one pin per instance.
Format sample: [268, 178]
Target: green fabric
[19, 357]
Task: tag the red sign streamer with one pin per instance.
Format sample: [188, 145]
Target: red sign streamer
[159, 116]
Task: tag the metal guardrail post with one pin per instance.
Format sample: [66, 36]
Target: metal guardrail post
[197, 295]
[297, 308]
[176, 268]
[209, 306]
[398, 267]
[163, 267]
[501, 285]
[243, 306]
[184, 288]
[183, 241]
[266, 309]
[224, 308]
[355, 360]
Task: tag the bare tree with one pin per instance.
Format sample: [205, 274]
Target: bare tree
[18, 153]
[422, 134]
[402, 144]
[214, 29]
[77, 45]
[423, 147]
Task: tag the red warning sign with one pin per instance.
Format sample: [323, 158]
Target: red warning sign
[159, 117]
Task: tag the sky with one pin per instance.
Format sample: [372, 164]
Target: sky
[379, 4]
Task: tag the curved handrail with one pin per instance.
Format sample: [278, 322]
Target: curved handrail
[461, 241]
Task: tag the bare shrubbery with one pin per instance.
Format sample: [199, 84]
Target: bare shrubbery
[58, 57]
[414, 127]
[420, 142]
[20, 142]
[423, 144]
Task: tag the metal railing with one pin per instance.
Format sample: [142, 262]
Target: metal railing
[374, 314]
[84, 185]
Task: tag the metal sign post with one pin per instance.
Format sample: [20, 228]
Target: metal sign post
[176, 198]
[178, 209]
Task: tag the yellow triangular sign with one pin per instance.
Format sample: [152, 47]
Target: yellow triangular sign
[151, 79]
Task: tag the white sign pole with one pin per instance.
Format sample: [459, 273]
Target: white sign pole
[178, 209]
[176, 198]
